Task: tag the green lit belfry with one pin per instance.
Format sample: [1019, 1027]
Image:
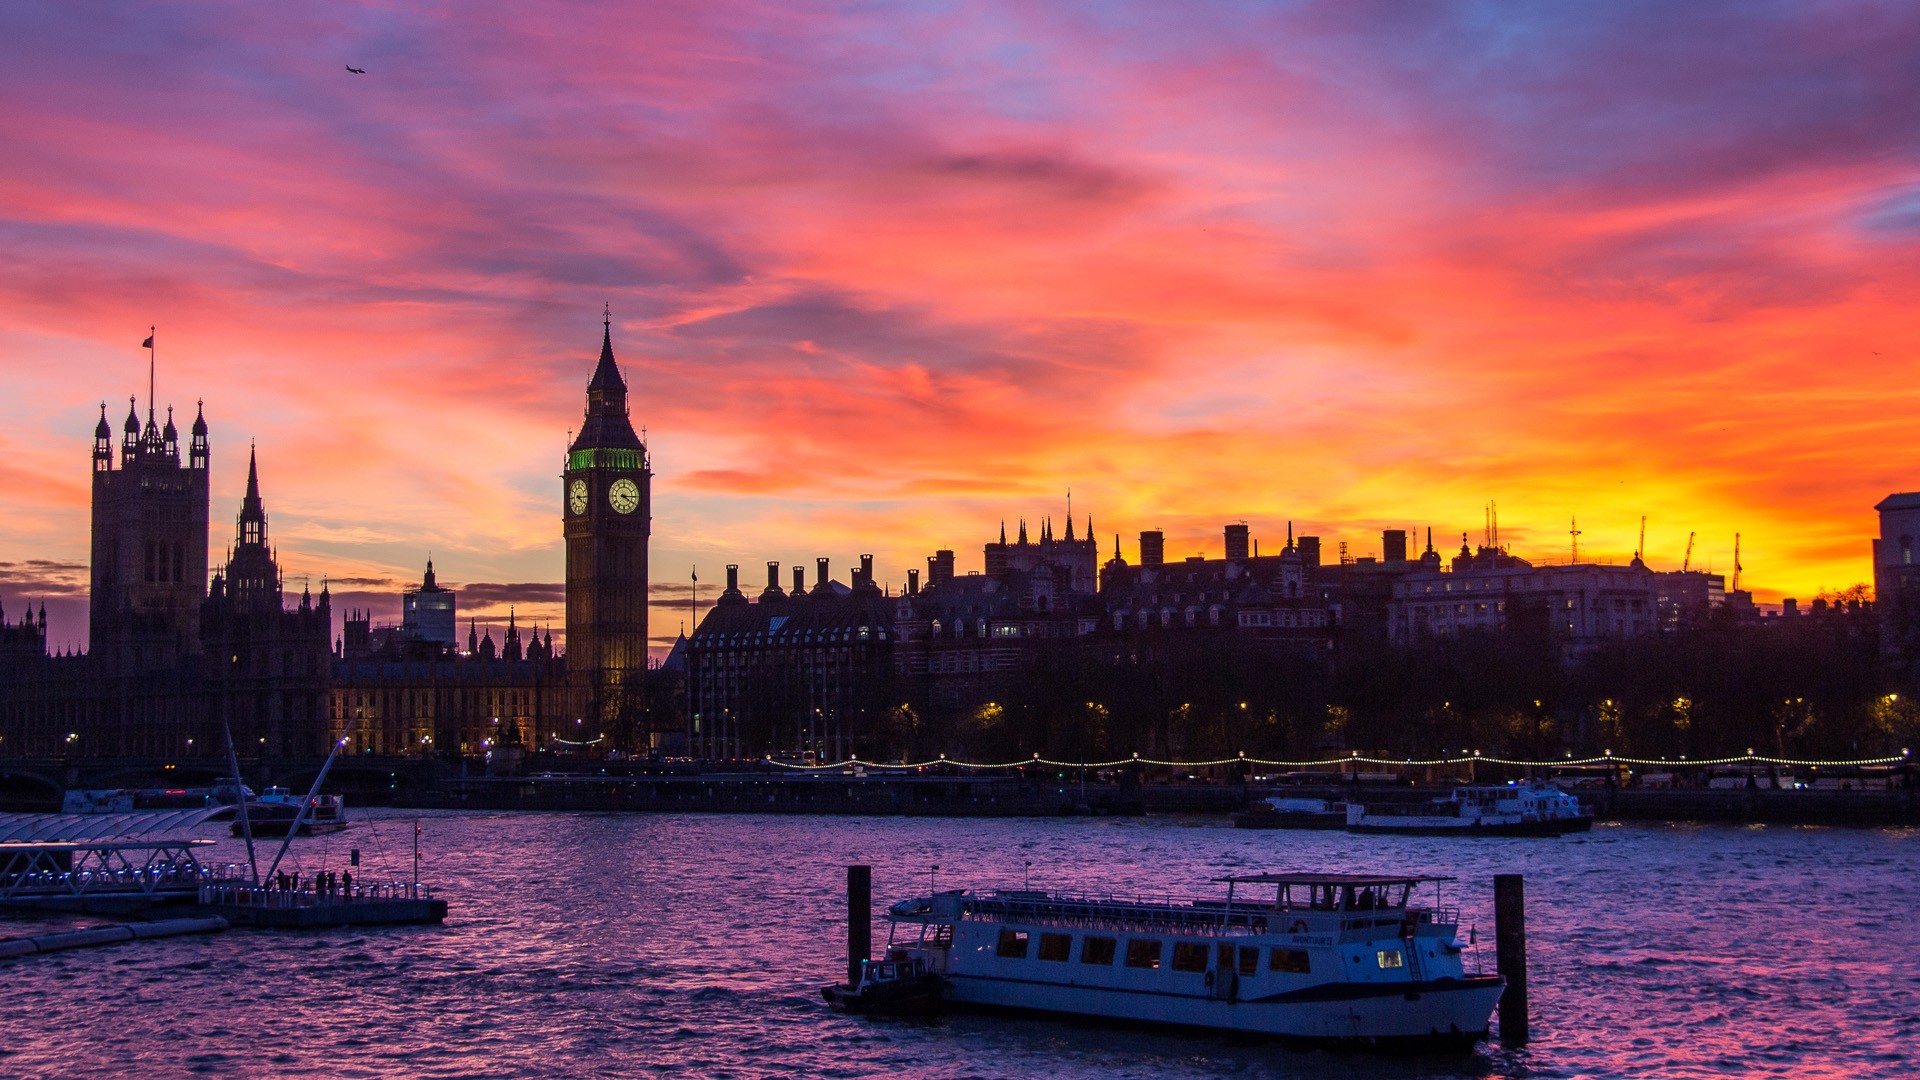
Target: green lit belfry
[606, 502]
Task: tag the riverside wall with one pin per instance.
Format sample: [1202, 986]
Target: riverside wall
[1017, 797]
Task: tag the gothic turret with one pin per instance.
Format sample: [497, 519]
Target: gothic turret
[197, 452]
[102, 442]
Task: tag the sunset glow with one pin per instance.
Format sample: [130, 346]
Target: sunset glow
[882, 276]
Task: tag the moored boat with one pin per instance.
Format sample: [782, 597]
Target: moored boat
[900, 985]
[274, 812]
[1322, 958]
[1531, 809]
[1286, 812]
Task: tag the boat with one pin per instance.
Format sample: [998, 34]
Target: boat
[1320, 959]
[1530, 809]
[1285, 812]
[127, 800]
[900, 985]
[273, 813]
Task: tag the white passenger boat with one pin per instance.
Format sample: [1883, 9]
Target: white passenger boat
[1287, 812]
[1337, 958]
[1532, 809]
[274, 812]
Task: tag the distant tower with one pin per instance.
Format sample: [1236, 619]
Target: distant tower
[606, 503]
[427, 613]
[252, 575]
[149, 555]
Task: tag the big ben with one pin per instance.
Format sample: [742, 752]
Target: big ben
[606, 503]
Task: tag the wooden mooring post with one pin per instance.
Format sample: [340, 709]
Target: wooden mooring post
[1510, 944]
[859, 920]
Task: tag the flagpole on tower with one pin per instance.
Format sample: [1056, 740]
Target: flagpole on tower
[152, 332]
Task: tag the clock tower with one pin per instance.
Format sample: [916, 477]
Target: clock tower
[606, 504]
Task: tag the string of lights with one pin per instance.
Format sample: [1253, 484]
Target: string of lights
[1603, 759]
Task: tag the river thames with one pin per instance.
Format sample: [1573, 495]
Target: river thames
[638, 945]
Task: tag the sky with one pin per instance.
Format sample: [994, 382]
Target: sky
[885, 274]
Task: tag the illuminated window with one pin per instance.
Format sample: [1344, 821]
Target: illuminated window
[1290, 960]
[1249, 960]
[1187, 956]
[1143, 952]
[1391, 958]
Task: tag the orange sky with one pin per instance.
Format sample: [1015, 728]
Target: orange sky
[884, 275]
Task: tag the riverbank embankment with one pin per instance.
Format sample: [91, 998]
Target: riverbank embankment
[1017, 797]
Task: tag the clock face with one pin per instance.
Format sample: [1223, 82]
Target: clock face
[577, 496]
[624, 495]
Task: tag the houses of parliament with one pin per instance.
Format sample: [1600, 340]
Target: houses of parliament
[176, 659]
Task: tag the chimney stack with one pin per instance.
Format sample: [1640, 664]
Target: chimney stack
[866, 570]
[1153, 548]
[913, 582]
[820, 571]
[799, 581]
[733, 577]
[773, 577]
[940, 567]
[1237, 541]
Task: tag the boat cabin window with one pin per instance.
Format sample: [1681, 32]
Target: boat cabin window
[1295, 961]
[1225, 951]
[1097, 950]
[1013, 944]
[1056, 946]
[1187, 956]
[1249, 960]
[1329, 897]
[1144, 952]
[1392, 958]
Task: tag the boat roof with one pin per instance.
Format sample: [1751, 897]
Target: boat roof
[1330, 879]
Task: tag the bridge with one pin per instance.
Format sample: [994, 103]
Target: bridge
[28, 784]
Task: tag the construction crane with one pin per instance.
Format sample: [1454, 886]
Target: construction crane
[1736, 562]
[1641, 551]
[1688, 561]
[1573, 530]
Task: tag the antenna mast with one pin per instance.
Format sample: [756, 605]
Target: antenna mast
[1641, 551]
[1736, 562]
[1573, 530]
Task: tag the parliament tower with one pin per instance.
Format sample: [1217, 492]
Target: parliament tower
[149, 564]
[606, 503]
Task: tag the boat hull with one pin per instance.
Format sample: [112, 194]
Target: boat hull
[1267, 819]
[1441, 827]
[1444, 1016]
[908, 997]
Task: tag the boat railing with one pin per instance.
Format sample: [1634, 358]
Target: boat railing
[1119, 912]
[254, 896]
[1397, 917]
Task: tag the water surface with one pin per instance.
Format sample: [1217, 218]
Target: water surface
[614, 945]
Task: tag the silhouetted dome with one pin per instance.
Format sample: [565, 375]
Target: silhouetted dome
[103, 430]
[169, 433]
[133, 419]
[200, 421]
